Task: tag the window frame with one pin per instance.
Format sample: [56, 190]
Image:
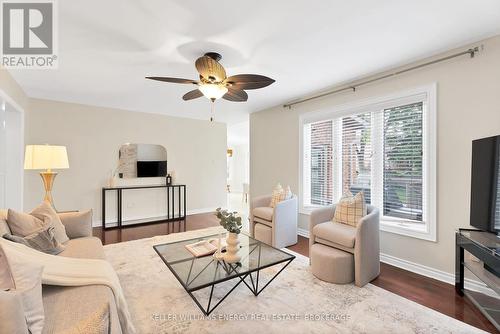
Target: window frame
[425, 94]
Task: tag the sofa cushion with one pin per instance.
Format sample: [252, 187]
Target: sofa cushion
[85, 248]
[12, 316]
[338, 233]
[66, 307]
[27, 277]
[334, 245]
[6, 278]
[96, 323]
[264, 212]
[4, 227]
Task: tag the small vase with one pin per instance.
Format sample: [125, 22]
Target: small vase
[232, 248]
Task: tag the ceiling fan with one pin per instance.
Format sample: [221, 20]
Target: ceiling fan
[214, 84]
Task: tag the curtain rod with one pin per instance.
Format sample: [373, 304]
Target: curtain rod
[471, 52]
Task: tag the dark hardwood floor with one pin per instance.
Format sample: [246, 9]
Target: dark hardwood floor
[426, 291]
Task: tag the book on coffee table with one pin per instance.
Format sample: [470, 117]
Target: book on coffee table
[205, 247]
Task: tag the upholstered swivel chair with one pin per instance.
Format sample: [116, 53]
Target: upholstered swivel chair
[275, 226]
[359, 244]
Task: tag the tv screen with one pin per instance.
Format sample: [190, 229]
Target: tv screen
[485, 199]
[151, 168]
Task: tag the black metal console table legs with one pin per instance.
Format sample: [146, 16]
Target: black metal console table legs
[459, 265]
[176, 205]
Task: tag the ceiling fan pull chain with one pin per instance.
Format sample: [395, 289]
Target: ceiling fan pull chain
[212, 111]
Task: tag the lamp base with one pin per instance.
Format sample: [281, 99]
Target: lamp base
[48, 178]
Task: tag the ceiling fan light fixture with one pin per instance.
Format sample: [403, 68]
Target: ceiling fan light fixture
[213, 91]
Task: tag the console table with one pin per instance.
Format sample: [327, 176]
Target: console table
[484, 246]
[176, 208]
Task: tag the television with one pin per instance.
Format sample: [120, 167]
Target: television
[151, 168]
[485, 184]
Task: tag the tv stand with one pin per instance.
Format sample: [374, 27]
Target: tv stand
[485, 247]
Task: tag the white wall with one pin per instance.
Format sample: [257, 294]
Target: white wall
[93, 135]
[468, 107]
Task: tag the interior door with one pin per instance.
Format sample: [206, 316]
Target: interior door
[11, 156]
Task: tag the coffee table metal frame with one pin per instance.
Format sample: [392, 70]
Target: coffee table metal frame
[253, 285]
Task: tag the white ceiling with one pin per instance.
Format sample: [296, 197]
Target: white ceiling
[107, 47]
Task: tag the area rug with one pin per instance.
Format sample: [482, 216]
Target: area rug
[295, 302]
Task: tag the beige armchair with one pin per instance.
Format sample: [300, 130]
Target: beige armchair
[362, 241]
[275, 226]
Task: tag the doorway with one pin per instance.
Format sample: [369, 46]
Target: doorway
[11, 154]
[238, 169]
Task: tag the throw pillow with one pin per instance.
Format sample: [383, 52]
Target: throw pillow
[276, 196]
[47, 214]
[280, 194]
[77, 224]
[22, 224]
[12, 319]
[350, 209]
[27, 277]
[42, 240]
[288, 193]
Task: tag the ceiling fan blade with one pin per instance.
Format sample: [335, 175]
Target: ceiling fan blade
[194, 94]
[249, 81]
[174, 80]
[210, 69]
[235, 95]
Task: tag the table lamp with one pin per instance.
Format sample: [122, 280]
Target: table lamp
[46, 157]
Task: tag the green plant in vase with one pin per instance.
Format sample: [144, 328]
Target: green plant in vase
[231, 221]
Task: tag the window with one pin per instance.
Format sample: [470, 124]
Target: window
[356, 154]
[319, 163]
[385, 149]
[403, 162]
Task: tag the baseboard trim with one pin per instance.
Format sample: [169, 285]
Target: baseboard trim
[303, 232]
[423, 270]
[98, 223]
[437, 274]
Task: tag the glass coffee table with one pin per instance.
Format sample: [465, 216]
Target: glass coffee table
[206, 272]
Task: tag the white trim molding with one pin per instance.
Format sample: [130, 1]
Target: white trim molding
[303, 232]
[98, 223]
[425, 229]
[437, 274]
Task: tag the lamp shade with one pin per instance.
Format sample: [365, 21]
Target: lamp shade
[45, 157]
